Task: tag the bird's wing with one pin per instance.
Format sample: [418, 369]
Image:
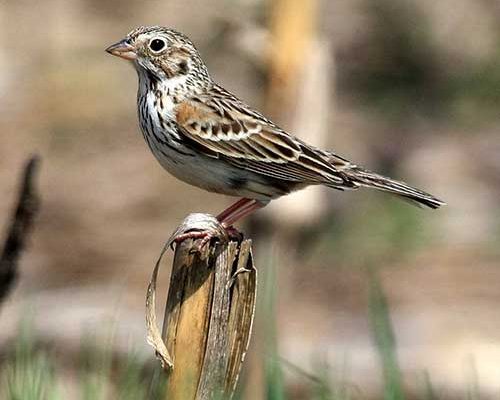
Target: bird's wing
[222, 126]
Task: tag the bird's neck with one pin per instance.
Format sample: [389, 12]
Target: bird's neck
[179, 86]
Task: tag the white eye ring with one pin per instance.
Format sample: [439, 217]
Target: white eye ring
[157, 45]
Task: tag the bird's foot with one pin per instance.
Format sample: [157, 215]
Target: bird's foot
[206, 237]
[198, 226]
[204, 228]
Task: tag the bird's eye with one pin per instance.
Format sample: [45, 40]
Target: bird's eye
[157, 45]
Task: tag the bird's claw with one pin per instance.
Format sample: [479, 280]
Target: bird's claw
[198, 226]
[205, 235]
[204, 228]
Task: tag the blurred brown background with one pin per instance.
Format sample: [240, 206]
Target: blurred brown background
[404, 87]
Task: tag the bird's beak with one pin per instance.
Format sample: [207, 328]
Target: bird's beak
[122, 49]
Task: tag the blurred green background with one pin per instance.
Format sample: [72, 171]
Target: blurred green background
[371, 297]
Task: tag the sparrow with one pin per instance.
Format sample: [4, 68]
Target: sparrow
[206, 136]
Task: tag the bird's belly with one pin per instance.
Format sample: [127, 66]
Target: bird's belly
[194, 169]
[212, 174]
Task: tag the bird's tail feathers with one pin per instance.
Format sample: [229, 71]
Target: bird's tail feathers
[367, 178]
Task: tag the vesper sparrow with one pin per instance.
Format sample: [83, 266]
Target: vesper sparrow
[204, 135]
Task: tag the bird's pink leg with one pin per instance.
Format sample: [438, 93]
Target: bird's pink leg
[232, 208]
[242, 209]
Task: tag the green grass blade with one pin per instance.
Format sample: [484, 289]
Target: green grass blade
[385, 341]
[29, 373]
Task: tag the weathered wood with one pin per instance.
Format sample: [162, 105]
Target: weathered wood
[208, 318]
[241, 314]
[216, 354]
[186, 321]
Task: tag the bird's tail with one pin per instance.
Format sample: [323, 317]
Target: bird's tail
[367, 178]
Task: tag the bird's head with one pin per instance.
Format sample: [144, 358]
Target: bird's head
[162, 53]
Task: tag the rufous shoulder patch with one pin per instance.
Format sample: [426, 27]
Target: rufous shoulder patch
[186, 112]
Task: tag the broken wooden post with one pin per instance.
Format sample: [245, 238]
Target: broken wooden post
[208, 314]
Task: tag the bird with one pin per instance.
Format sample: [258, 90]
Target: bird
[206, 136]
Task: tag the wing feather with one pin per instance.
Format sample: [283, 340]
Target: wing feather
[223, 126]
